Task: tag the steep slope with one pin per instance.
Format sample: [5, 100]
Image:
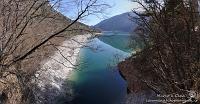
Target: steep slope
[120, 22]
[34, 29]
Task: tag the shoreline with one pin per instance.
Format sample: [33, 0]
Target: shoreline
[52, 80]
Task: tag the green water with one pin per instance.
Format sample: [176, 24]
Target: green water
[117, 40]
[97, 80]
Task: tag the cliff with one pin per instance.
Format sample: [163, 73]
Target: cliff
[138, 91]
[170, 61]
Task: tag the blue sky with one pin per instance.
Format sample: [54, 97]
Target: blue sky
[117, 7]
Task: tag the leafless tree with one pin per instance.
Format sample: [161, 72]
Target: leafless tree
[27, 27]
[169, 62]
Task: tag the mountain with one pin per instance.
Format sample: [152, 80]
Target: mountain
[120, 22]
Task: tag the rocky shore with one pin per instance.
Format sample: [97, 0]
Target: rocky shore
[138, 92]
[52, 80]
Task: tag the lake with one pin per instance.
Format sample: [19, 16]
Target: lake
[96, 79]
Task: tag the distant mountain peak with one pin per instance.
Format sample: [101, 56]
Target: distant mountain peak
[119, 22]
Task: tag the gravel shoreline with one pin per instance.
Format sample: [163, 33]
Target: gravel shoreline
[52, 82]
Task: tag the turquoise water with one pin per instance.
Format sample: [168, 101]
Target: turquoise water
[97, 81]
[117, 40]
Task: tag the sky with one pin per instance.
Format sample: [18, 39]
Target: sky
[116, 7]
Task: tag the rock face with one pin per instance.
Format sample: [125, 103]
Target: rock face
[138, 92]
[120, 22]
[127, 70]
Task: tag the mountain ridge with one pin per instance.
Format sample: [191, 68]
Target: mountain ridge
[119, 22]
